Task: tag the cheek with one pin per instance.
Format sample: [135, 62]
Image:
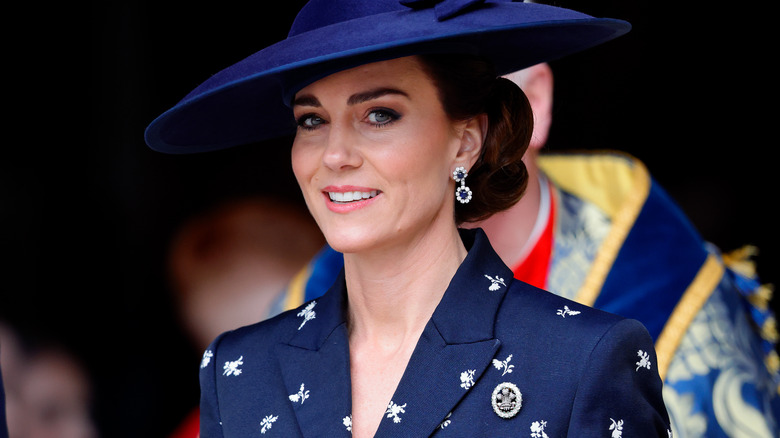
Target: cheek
[302, 163]
[423, 168]
[431, 154]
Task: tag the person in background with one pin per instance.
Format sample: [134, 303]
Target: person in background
[596, 228]
[48, 391]
[229, 265]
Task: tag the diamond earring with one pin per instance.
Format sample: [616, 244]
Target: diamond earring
[462, 193]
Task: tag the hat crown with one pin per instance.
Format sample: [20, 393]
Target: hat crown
[320, 13]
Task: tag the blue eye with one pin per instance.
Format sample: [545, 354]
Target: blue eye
[382, 117]
[310, 121]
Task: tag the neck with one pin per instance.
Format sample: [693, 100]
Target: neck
[510, 231]
[393, 292]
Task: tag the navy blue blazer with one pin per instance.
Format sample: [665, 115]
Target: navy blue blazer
[498, 358]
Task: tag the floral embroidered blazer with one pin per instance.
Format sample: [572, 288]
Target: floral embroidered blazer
[577, 371]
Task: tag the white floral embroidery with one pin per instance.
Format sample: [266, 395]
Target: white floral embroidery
[393, 410]
[307, 313]
[467, 379]
[566, 311]
[494, 282]
[231, 367]
[644, 360]
[267, 422]
[207, 355]
[347, 422]
[503, 365]
[446, 421]
[617, 428]
[300, 396]
[669, 432]
[537, 429]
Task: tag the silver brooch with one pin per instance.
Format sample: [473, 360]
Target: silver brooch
[507, 400]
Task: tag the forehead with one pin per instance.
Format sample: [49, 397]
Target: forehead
[406, 74]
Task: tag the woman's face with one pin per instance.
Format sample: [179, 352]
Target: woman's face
[373, 155]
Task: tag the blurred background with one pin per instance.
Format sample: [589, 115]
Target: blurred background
[89, 212]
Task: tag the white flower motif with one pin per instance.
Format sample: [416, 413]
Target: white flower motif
[566, 311]
[467, 379]
[644, 360]
[446, 421]
[669, 432]
[267, 422]
[617, 428]
[537, 429]
[347, 422]
[307, 313]
[204, 361]
[503, 365]
[393, 410]
[231, 367]
[495, 282]
[300, 396]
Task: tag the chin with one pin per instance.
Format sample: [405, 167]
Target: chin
[347, 246]
[352, 241]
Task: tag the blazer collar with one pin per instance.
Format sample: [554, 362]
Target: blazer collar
[467, 311]
[455, 348]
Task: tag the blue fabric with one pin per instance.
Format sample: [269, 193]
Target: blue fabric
[581, 373]
[662, 240]
[3, 422]
[325, 269]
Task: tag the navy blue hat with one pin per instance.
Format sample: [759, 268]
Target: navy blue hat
[249, 101]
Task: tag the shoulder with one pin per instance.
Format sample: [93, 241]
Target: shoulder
[537, 307]
[602, 365]
[255, 340]
[243, 371]
[565, 333]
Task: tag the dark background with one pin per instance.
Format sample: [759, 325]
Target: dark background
[88, 210]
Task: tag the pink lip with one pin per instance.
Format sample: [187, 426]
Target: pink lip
[347, 189]
[352, 206]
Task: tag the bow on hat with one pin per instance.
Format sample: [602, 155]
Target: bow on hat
[444, 9]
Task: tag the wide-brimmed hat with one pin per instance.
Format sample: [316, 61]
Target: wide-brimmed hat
[249, 101]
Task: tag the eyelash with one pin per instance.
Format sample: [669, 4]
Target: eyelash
[301, 121]
[393, 117]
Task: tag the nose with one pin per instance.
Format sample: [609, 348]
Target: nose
[341, 151]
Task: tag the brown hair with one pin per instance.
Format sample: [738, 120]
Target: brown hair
[469, 86]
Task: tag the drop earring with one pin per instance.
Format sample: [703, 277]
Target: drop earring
[462, 193]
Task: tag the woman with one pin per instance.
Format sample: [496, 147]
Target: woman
[404, 131]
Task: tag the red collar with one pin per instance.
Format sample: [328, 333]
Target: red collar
[534, 268]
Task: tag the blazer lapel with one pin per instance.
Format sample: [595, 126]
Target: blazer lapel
[456, 347]
[315, 369]
[437, 377]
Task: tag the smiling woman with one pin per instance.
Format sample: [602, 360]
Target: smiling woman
[380, 128]
[399, 111]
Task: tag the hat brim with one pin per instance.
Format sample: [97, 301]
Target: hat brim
[246, 102]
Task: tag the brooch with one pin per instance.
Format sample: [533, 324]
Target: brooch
[506, 400]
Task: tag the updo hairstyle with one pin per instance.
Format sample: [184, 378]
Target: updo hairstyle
[468, 86]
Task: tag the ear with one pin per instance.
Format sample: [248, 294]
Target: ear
[537, 84]
[471, 140]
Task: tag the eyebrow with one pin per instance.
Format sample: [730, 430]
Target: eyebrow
[309, 100]
[373, 94]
